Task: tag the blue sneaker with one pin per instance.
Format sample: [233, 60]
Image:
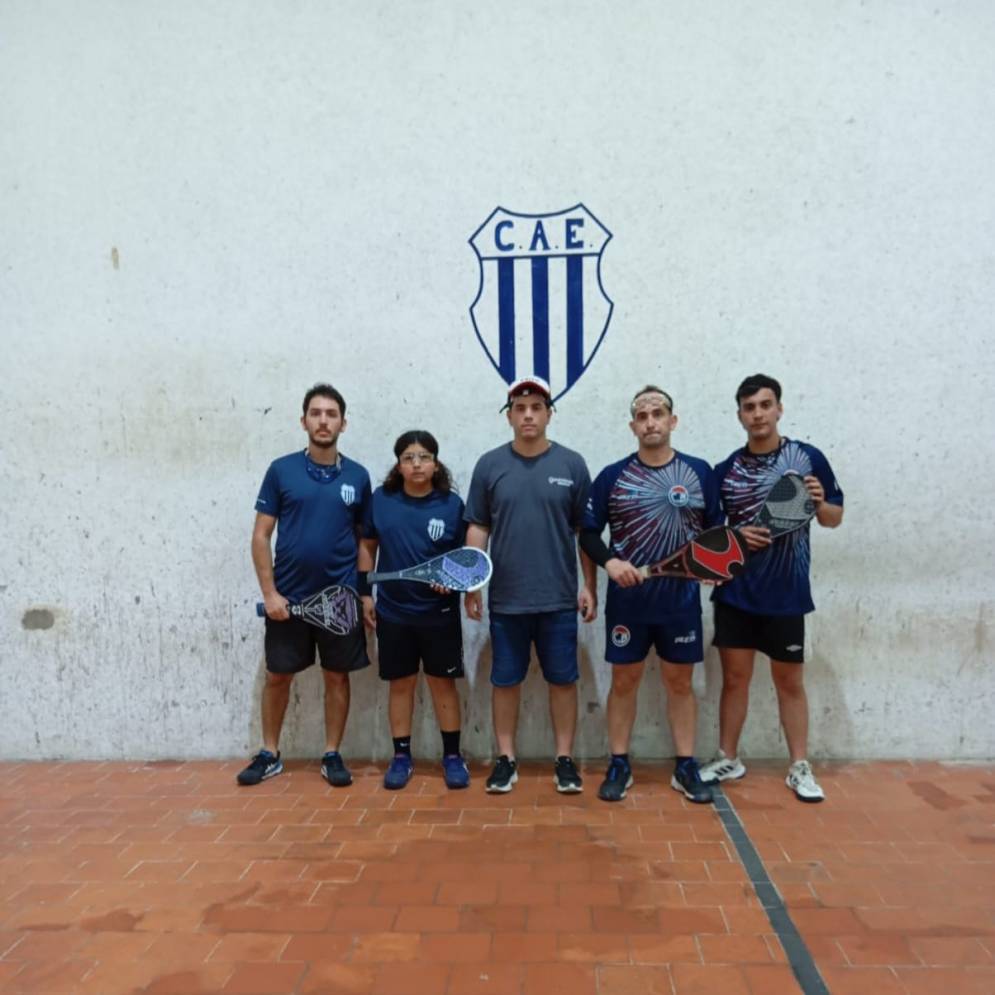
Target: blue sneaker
[334, 770]
[687, 780]
[455, 771]
[263, 765]
[399, 772]
[618, 780]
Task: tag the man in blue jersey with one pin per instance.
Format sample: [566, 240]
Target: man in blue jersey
[653, 502]
[315, 499]
[526, 499]
[764, 608]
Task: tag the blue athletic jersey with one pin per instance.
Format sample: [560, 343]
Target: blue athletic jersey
[317, 523]
[775, 581]
[411, 530]
[652, 511]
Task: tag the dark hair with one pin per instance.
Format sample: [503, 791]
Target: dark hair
[325, 390]
[757, 382]
[442, 481]
[650, 389]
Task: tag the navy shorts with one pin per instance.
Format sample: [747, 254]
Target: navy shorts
[290, 647]
[676, 639]
[781, 637]
[401, 646]
[555, 638]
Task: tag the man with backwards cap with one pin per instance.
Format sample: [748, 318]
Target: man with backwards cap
[526, 499]
[653, 502]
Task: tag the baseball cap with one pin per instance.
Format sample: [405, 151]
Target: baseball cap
[528, 385]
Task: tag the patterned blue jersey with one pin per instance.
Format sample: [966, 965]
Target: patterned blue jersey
[411, 530]
[652, 511]
[317, 523]
[775, 581]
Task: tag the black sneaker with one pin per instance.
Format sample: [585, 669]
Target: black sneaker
[263, 765]
[617, 781]
[504, 775]
[687, 780]
[566, 778]
[334, 771]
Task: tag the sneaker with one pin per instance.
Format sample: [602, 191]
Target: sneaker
[617, 781]
[687, 780]
[399, 772]
[504, 775]
[263, 765]
[802, 782]
[334, 771]
[566, 778]
[455, 771]
[722, 768]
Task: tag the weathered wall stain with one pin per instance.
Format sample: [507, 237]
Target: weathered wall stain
[38, 618]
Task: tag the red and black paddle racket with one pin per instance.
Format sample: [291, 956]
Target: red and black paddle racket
[716, 554]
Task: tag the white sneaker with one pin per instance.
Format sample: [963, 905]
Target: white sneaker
[722, 768]
[802, 782]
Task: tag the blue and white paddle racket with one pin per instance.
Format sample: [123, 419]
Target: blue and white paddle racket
[463, 569]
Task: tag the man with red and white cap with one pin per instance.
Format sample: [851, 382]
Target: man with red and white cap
[526, 500]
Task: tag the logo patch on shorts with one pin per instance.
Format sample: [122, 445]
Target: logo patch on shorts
[792, 649]
[678, 495]
[620, 636]
[689, 638]
[348, 493]
[436, 526]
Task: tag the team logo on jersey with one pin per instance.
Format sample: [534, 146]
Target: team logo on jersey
[678, 496]
[540, 307]
[436, 526]
[620, 636]
[348, 493]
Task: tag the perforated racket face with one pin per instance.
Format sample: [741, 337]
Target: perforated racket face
[464, 569]
[335, 609]
[788, 506]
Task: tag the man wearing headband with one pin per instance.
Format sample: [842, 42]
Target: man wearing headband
[318, 497]
[526, 499]
[653, 502]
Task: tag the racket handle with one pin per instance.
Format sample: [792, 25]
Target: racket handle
[260, 609]
[644, 572]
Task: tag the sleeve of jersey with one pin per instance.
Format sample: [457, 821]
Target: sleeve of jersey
[713, 502]
[367, 526]
[595, 516]
[822, 469]
[478, 510]
[581, 490]
[460, 531]
[365, 497]
[268, 501]
[718, 475]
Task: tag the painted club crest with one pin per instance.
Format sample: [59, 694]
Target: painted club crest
[540, 307]
[436, 527]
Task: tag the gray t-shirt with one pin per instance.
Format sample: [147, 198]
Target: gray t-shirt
[532, 506]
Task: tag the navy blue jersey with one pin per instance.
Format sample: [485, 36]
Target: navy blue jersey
[775, 581]
[652, 511]
[317, 523]
[411, 530]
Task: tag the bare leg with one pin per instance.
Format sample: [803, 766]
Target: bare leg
[276, 694]
[401, 705]
[622, 700]
[737, 671]
[563, 712]
[682, 708]
[504, 707]
[445, 700]
[336, 708]
[792, 703]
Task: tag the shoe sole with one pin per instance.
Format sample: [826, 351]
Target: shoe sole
[396, 787]
[502, 789]
[802, 798]
[568, 789]
[605, 798]
[677, 786]
[332, 784]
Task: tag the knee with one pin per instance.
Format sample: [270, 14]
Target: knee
[678, 685]
[278, 682]
[334, 679]
[624, 681]
[790, 683]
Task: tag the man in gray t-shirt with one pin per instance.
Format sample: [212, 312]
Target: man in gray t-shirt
[527, 499]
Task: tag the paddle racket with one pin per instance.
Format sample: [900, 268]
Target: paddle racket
[463, 569]
[788, 506]
[334, 609]
[716, 554]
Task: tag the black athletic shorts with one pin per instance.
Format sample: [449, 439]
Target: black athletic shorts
[290, 647]
[401, 645]
[781, 637]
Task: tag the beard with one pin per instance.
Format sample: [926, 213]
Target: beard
[323, 442]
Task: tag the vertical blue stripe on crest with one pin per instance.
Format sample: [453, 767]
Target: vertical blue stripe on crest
[575, 318]
[506, 318]
[540, 316]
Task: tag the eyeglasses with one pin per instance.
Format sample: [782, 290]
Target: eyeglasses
[412, 458]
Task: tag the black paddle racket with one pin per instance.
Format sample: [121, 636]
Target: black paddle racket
[335, 609]
[716, 554]
[788, 506]
[463, 569]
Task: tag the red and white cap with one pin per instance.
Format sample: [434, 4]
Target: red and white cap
[529, 385]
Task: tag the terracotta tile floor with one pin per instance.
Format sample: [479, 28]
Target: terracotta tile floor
[122, 878]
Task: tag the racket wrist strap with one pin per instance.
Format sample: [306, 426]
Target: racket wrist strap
[363, 588]
[592, 544]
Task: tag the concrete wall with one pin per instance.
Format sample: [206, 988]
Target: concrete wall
[205, 207]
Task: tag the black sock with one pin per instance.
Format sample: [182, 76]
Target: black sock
[450, 742]
[402, 744]
[681, 760]
[624, 757]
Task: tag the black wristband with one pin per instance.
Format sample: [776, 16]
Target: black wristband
[592, 544]
[363, 585]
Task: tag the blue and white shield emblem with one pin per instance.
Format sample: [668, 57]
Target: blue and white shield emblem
[541, 307]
